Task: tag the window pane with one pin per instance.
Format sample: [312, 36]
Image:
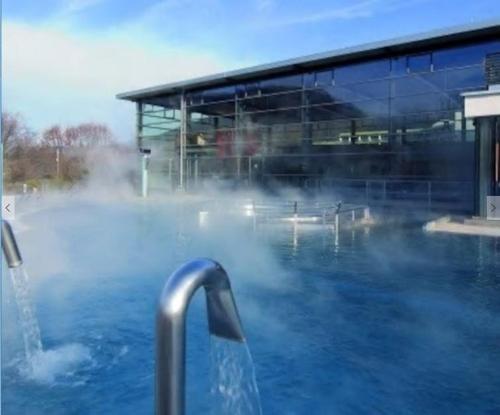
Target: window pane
[331, 132]
[194, 98]
[276, 117]
[171, 101]
[325, 112]
[240, 91]
[322, 95]
[221, 108]
[281, 84]
[421, 103]
[472, 77]
[418, 84]
[270, 102]
[359, 92]
[253, 104]
[464, 56]
[364, 109]
[324, 78]
[434, 125]
[398, 66]
[219, 94]
[370, 131]
[419, 63]
[309, 80]
[252, 89]
[291, 100]
[362, 72]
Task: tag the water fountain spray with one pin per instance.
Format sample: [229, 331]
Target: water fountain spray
[223, 321]
[9, 246]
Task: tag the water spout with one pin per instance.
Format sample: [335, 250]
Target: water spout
[223, 321]
[9, 246]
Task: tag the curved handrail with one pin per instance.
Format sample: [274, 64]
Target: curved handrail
[223, 321]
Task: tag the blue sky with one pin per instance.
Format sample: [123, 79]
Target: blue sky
[63, 61]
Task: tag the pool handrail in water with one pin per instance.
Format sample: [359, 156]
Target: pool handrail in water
[223, 321]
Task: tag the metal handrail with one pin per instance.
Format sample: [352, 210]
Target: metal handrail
[223, 321]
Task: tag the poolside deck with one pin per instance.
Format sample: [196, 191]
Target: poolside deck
[465, 226]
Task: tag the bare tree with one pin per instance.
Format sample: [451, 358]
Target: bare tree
[60, 156]
[93, 134]
[83, 135]
[15, 132]
[54, 137]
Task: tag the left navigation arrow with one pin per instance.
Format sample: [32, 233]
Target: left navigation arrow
[8, 207]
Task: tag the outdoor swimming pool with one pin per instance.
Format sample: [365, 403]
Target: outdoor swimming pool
[387, 320]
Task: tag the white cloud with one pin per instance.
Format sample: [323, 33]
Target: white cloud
[54, 76]
[352, 10]
[75, 6]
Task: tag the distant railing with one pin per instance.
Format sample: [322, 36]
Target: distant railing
[432, 194]
[298, 211]
[234, 173]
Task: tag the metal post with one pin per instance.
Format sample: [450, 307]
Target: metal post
[145, 167]
[295, 236]
[58, 162]
[170, 172]
[336, 229]
[249, 170]
[196, 171]
[366, 213]
[254, 218]
[187, 173]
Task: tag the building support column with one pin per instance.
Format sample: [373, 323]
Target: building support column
[138, 138]
[306, 135]
[239, 139]
[485, 159]
[182, 143]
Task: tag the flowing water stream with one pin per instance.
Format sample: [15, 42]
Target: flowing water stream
[234, 388]
[27, 316]
[42, 366]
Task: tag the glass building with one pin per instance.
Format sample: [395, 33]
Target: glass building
[382, 123]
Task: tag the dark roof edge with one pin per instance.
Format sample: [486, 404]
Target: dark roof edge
[367, 50]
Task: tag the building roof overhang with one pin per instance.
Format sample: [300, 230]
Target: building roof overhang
[407, 44]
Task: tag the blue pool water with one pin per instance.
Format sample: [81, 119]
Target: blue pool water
[389, 320]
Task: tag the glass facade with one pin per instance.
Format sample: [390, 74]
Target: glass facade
[389, 129]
